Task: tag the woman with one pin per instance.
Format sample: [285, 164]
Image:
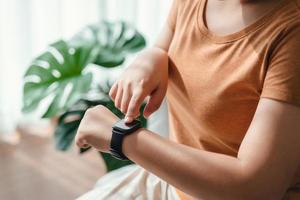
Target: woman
[231, 70]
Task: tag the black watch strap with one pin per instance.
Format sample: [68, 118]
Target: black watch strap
[116, 145]
[119, 131]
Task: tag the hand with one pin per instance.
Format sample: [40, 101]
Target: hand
[147, 76]
[95, 129]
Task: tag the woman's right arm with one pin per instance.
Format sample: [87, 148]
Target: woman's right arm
[147, 76]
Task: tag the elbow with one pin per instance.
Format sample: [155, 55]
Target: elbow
[244, 194]
[251, 188]
[261, 195]
[246, 184]
[258, 184]
[256, 189]
[249, 194]
[258, 194]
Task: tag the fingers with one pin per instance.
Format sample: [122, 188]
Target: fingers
[129, 102]
[113, 91]
[134, 105]
[82, 143]
[154, 101]
[126, 98]
[121, 94]
[118, 98]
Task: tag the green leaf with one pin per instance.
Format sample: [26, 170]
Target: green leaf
[66, 130]
[113, 40]
[65, 134]
[58, 75]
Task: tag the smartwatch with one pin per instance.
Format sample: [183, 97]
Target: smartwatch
[119, 130]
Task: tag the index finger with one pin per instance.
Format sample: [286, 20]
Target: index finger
[134, 106]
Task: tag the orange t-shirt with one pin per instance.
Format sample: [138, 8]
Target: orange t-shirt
[216, 82]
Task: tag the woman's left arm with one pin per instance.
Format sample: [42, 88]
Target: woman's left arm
[266, 163]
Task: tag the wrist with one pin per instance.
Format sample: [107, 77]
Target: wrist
[130, 143]
[120, 131]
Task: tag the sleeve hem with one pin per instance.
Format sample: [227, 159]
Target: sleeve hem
[281, 95]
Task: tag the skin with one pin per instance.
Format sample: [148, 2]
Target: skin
[268, 156]
[129, 92]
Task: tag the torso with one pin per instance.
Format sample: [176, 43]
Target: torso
[216, 77]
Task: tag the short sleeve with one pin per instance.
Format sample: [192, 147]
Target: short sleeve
[282, 80]
[172, 16]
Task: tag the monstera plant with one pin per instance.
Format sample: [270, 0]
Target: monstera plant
[61, 78]
[58, 73]
[114, 40]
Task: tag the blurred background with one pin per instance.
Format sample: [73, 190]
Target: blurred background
[37, 157]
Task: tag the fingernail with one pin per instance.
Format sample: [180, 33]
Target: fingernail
[127, 119]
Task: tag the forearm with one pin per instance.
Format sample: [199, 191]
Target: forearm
[196, 172]
[152, 57]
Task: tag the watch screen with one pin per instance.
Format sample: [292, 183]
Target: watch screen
[122, 126]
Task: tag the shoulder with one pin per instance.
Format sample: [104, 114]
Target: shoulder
[289, 16]
[285, 25]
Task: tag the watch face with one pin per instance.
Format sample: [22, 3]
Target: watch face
[122, 126]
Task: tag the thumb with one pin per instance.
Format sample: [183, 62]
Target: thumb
[154, 101]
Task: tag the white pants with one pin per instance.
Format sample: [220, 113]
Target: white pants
[131, 183]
